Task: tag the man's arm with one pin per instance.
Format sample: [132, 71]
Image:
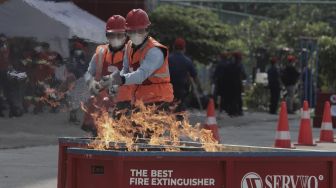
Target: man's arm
[153, 60]
[91, 69]
[125, 68]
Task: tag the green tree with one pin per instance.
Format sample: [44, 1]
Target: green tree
[327, 61]
[203, 30]
[207, 36]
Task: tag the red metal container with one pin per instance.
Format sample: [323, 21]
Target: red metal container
[244, 167]
[64, 144]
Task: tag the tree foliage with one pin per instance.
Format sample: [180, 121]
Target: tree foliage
[203, 30]
[327, 61]
[207, 36]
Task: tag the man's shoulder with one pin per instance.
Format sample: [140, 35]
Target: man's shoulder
[155, 50]
[180, 57]
[102, 47]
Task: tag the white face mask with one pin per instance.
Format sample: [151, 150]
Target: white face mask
[117, 43]
[38, 49]
[137, 39]
[78, 52]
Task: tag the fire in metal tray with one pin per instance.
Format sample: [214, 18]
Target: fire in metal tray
[148, 129]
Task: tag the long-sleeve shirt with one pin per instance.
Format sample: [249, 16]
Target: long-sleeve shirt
[153, 60]
[290, 76]
[273, 77]
[90, 73]
[180, 67]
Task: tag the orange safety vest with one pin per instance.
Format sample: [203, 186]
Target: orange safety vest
[157, 87]
[106, 63]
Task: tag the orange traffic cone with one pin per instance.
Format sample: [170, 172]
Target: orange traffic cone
[282, 136]
[211, 123]
[305, 133]
[326, 133]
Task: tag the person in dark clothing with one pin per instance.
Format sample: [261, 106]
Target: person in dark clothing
[181, 70]
[15, 91]
[273, 77]
[221, 81]
[79, 64]
[237, 75]
[289, 78]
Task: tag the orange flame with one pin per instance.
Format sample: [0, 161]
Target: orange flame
[152, 126]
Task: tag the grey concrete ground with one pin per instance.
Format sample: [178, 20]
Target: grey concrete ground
[28, 145]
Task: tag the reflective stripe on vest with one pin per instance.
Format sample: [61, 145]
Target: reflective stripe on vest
[104, 60]
[162, 75]
[101, 52]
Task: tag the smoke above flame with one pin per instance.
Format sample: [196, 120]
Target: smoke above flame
[151, 127]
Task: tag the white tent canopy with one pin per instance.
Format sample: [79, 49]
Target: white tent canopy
[52, 22]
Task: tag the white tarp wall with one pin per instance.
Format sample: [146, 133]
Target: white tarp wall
[50, 22]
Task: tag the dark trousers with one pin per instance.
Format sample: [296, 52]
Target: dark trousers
[224, 101]
[236, 105]
[180, 98]
[234, 102]
[274, 99]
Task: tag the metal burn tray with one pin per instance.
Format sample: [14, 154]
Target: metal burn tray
[151, 166]
[142, 145]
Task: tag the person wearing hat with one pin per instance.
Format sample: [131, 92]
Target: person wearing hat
[107, 60]
[79, 65]
[181, 70]
[289, 77]
[41, 75]
[145, 64]
[236, 75]
[273, 77]
[221, 81]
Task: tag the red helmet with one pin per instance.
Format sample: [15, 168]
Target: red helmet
[137, 19]
[78, 45]
[274, 60]
[115, 23]
[179, 43]
[237, 55]
[291, 58]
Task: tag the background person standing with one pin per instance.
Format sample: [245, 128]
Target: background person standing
[273, 77]
[222, 81]
[289, 77]
[182, 72]
[236, 75]
[107, 60]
